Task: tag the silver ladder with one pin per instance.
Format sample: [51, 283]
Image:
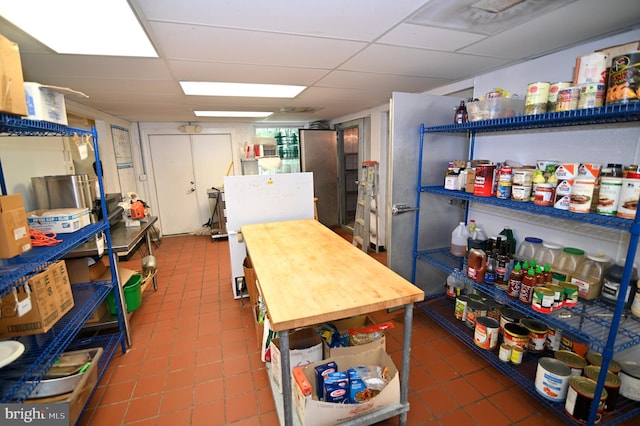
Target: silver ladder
[367, 206]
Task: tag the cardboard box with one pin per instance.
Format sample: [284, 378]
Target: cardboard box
[12, 95]
[49, 293]
[14, 229]
[250, 281]
[316, 413]
[305, 346]
[620, 49]
[80, 271]
[60, 221]
[44, 103]
[343, 327]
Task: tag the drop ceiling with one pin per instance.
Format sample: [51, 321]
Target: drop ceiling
[351, 54]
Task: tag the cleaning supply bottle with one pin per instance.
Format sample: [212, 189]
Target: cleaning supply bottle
[459, 240]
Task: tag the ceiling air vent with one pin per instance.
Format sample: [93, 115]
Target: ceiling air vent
[298, 110]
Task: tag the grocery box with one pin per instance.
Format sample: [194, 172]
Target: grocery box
[44, 103]
[14, 229]
[36, 306]
[620, 49]
[12, 99]
[313, 412]
[78, 398]
[60, 221]
[305, 346]
[343, 327]
[490, 108]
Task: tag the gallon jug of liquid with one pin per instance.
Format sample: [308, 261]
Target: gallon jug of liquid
[459, 240]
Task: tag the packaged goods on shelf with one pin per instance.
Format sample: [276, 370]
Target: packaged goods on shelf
[11, 80]
[342, 328]
[50, 298]
[490, 108]
[60, 221]
[14, 229]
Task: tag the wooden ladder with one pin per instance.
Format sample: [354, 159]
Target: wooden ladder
[367, 206]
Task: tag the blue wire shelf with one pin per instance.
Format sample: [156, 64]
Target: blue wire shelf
[441, 310]
[11, 125]
[581, 117]
[590, 218]
[36, 259]
[41, 350]
[581, 326]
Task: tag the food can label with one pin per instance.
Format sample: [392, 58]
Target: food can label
[504, 190]
[505, 353]
[628, 202]
[554, 89]
[517, 353]
[591, 95]
[581, 196]
[535, 101]
[622, 85]
[520, 192]
[523, 177]
[608, 196]
[568, 99]
[554, 338]
[460, 309]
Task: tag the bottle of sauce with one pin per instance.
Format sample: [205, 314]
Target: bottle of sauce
[527, 286]
[546, 274]
[539, 276]
[461, 114]
[490, 270]
[502, 265]
[515, 281]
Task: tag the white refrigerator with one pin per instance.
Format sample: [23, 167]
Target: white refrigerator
[261, 199]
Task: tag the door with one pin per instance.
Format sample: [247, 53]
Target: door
[319, 155]
[185, 166]
[408, 112]
[351, 141]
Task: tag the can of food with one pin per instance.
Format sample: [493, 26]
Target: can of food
[630, 380]
[558, 294]
[474, 310]
[521, 192]
[515, 335]
[622, 86]
[494, 309]
[552, 379]
[535, 101]
[594, 358]
[554, 89]
[574, 361]
[504, 354]
[543, 300]
[591, 95]
[570, 294]
[629, 194]
[554, 338]
[509, 315]
[517, 353]
[568, 99]
[581, 195]
[537, 334]
[609, 195]
[559, 278]
[591, 68]
[503, 190]
[485, 178]
[544, 195]
[523, 177]
[486, 333]
[580, 395]
[572, 345]
[460, 310]
[611, 384]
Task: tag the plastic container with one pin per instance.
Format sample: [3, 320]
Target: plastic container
[477, 239]
[548, 253]
[529, 248]
[610, 291]
[476, 265]
[590, 275]
[459, 238]
[132, 294]
[568, 262]
[454, 286]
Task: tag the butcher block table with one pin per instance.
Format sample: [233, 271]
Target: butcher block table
[308, 275]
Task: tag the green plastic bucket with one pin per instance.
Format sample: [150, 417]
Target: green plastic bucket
[132, 294]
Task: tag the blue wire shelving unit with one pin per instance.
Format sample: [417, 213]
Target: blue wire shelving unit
[613, 330]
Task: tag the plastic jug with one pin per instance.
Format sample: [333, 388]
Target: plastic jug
[611, 285]
[477, 265]
[459, 240]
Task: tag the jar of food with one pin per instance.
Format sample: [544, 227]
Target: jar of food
[544, 195]
[568, 262]
[590, 275]
[529, 248]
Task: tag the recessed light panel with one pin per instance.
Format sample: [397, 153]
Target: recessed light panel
[81, 27]
[232, 113]
[209, 88]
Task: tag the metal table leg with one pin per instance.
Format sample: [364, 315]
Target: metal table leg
[148, 241]
[406, 355]
[286, 377]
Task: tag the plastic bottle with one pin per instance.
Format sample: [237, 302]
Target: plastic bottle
[490, 270]
[515, 281]
[477, 239]
[546, 274]
[454, 286]
[590, 276]
[548, 253]
[477, 265]
[611, 285]
[529, 248]
[459, 240]
[539, 276]
[503, 261]
[568, 262]
[527, 286]
[507, 232]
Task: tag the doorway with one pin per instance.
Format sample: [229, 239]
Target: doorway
[185, 167]
[351, 141]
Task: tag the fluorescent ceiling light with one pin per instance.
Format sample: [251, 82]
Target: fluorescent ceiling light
[232, 113]
[205, 88]
[81, 27]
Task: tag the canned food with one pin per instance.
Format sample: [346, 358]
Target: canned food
[568, 99]
[460, 310]
[474, 310]
[543, 300]
[580, 395]
[581, 195]
[595, 359]
[574, 361]
[523, 177]
[521, 192]
[622, 85]
[515, 335]
[535, 102]
[611, 383]
[570, 294]
[517, 353]
[554, 89]
[537, 334]
[505, 353]
[591, 95]
[507, 316]
[552, 379]
[554, 339]
[486, 333]
[629, 194]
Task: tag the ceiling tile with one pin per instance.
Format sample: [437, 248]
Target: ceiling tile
[362, 80]
[428, 38]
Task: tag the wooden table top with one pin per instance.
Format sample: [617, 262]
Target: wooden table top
[307, 274]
